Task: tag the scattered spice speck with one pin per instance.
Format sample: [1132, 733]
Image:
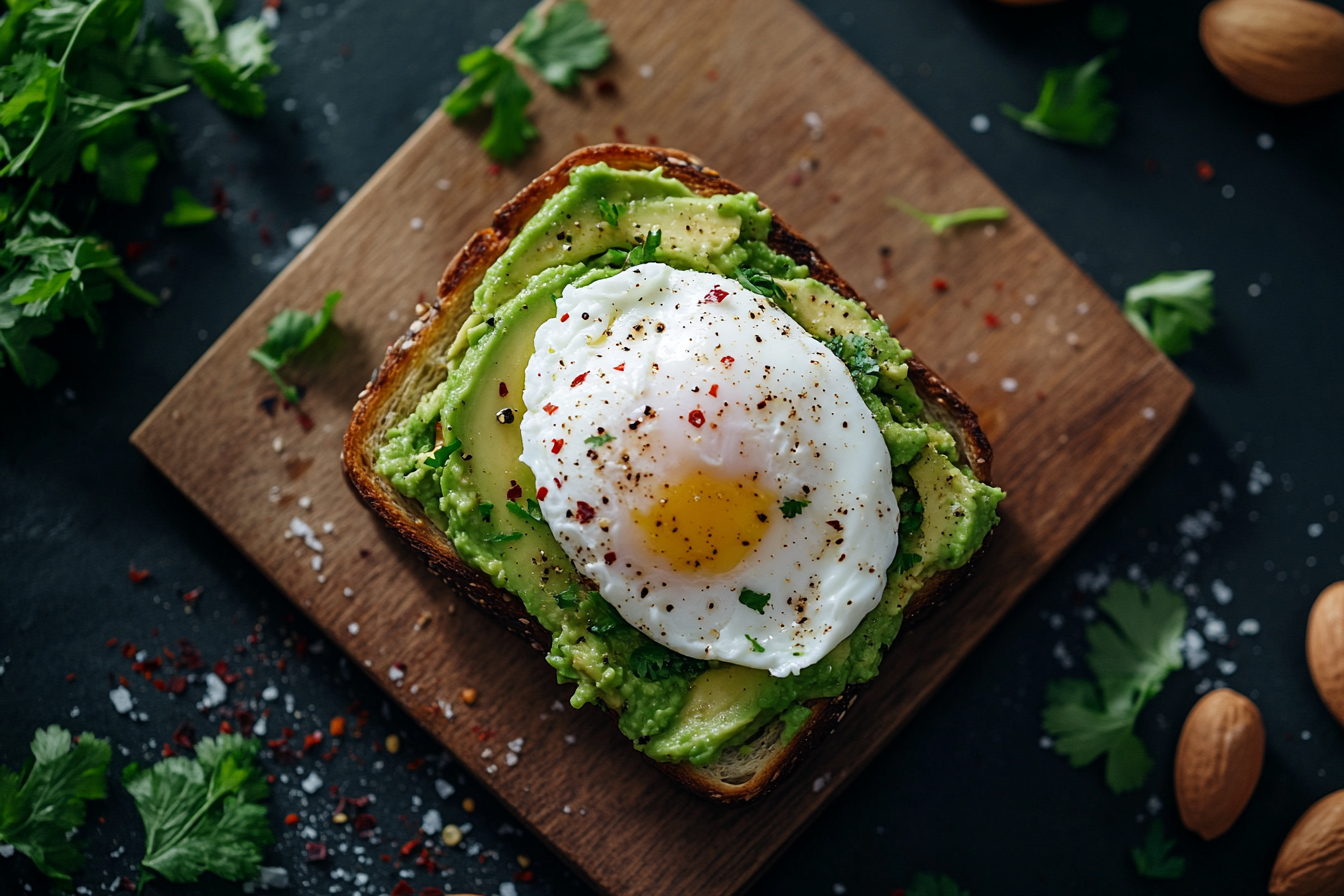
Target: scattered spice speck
[1008, 384]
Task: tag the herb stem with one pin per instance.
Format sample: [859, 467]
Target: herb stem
[132, 105]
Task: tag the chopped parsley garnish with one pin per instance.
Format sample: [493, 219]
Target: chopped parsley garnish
[759, 282]
[753, 600]
[203, 814]
[532, 513]
[942, 223]
[792, 507]
[46, 799]
[912, 512]
[928, 884]
[440, 455]
[599, 441]
[485, 507]
[608, 259]
[569, 598]
[860, 356]
[500, 537]
[187, 210]
[655, 662]
[605, 617]
[558, 47]
[1131, 659]
[1154, 859]
[288, 334]
[566, 42]
[645, 251]
[610, 212]
[1168, 307]
[755, 645]
[1072, 106]
[904, 563]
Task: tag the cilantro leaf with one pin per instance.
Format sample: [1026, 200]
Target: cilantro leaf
[655, 662]
[227, 64]
[1168, 307]
[599, 441]
[563, 43]
[493, 79]
[569, 598]
[46, 799]
[610, 212]
[1072, 106]
[792, 507]
[753, 600]
[187, 210]
[1131, 659]
[501, 537]
[941, 223]
[531, 514]
[440, 455]
[204, 814]
[759, 282]
[904, 562]
[485, 507]
[289, 333]
[646, 250]
[1154, 858]
[928, 884]
[755, 645]
[605, 617]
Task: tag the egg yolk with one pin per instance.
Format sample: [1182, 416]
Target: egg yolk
[704, 523]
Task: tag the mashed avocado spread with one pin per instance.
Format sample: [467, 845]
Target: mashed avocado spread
[674, 708]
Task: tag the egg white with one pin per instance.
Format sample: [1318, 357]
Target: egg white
[784, 422]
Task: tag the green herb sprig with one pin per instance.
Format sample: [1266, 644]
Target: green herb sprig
[792, 507]
[288, 334]
[1169, 307]
[1154, 859]
[753, 600]
[926, 883]
[646, 250]
[941, 223]
[655, 662]
[1072, 106]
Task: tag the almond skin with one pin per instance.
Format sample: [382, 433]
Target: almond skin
[1280, 51]
[1325, 648]
[1311, 860]
[1218, 760]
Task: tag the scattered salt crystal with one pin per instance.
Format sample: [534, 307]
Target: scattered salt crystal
[819, 784]
[566, 810]
[278, 444]
[216, 691]
[1083, 308]
[1046, 742]
[838, 889]
[1008, 384]
[121, 700]
[1071, 338]
[417, 223]
[980, 123]
[349, 592]
[259, 727]
[306, 502]
[328, 528]
[508, 888]
[443, 184]
[432, 822]
[311, 784]
[557, 706]
[1215, 629]
[510, 759]
[1062, 654]
[1149, 414]
[1306, 735]
[973, 357]
[1203, 686]
[1315, 530]
[299, 236]
[491, 769]
[1015, 318]
[74, 712]
[516, 745]
[570, 739]
[1226, 667]
[487, 753]
[1229, 191]
[1221, 592]
[353, 628]
[1248, 627]
[316, 562]
[396, 672]
[646, 71]
[1154, 805]
[1192, 646]
[814, 125]
[443, 788]
[1030, 299]
[1253, 290]
[1265, 141]
[308, 833]
[990, 230]
[270, 17]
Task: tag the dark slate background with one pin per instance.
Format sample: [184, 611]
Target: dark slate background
[966, 789]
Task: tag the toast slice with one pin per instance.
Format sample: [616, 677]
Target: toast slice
[415, 364]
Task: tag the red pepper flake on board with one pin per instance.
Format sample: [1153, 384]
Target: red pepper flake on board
[435, 891]
[542, 493]
[222, 670]
[409, 847]
[578, 379]
[940, 284]
[128, 649]
[493, 169]
[712, 74]
[264, 233]
[619, 131]
[556, 445]
[177, 684]
[482, 734]
[292, 819]
[167, 751]
[609, 557]
[696, 418]
[160, 685]
[998, 284]
[550, 408]
[620, 366]
[1204, 170]
[337, 726]
[585, 512]
[137, 575]
[71, 677]
[312, 740]
[992, 320]
[606, 87]
[185, 735]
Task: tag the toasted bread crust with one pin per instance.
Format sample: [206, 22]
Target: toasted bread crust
[401, 380]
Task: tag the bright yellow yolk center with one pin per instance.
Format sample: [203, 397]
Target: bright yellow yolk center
[705, 524]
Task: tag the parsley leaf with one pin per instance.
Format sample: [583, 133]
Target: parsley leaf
[599, 441]
[493, 79]
[610, 212]
[655, 662]
[759, 282]
[904, 562]
[204, 814]
[605, 616]
[563, 43]
[1168, 307]
[187, 210]
[485, 507]
[500, 537]
[569, 598]
[755, 645]
[440, 456]
[941, 223]
[1072, 106]
[1131, 659]
[531, 514]
[928, 884]
[753, 600]
[792, 507]
[45, 800]
[1154, 858]
[227, 64]
[289, 333]
[646, 250]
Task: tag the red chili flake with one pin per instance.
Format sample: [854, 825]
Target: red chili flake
[1204, 170]
[385, 857]
[727, 360]
[415, 764]
[306, 422]
[128, 649]
[939, 284]
[653, 139]
[315, 852]
[564, 317]
[515, 491]
[578, 379]
[191, 657]
[714, 295]
[834, 197]
[312, 740]
[185, 735]
[409, 846]
[795, 178]
[712, 74]
[137, 575]
[70, 677]
[265, 234]
[121, 679]
[503, 390]
[609, 557]
[619, 130]
[193, 594]
[337, 727]
[482, 734]
[556, 445]
[291, 819]
[696, 418]
[620, 366]
[225, 727]
[542, 493]
[606, 87]
[272, 4]
[557, 483]
[167, 751]
[834, 524]
[300, 646]
[276, 744]
[403, 889]
[992, 320]
[159, 684]
[136, 251]
[493, 169]
[222, 670]
[111, 642]
[550, 408]
[585, 512]
[714, 390]
[998, 284]
[523, 876]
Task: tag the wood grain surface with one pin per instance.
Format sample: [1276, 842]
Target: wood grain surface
[1074, 401]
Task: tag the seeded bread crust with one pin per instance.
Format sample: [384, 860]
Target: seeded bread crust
[415, 364]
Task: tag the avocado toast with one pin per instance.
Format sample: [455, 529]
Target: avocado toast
[434, 450]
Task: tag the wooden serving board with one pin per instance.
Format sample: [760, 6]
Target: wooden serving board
[1074, 401]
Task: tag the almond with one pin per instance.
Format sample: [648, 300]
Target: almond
[1280, 51]
[1218, 761]
[1311, 860]
[1325, 647]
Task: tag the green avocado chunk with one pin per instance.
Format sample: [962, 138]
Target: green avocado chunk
[674, 708]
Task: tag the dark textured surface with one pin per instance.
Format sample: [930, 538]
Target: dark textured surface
[965, 789]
